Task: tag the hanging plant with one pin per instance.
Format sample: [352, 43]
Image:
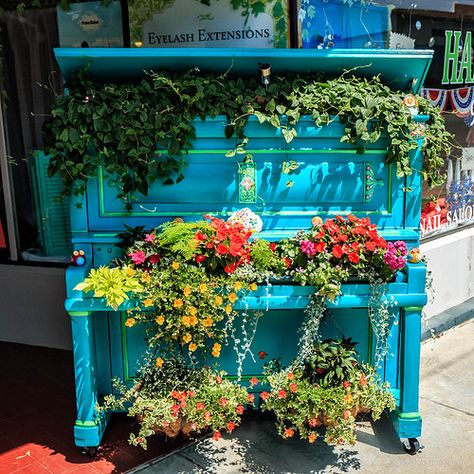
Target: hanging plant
[141, 132]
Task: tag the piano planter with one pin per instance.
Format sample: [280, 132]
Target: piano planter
[324, 178]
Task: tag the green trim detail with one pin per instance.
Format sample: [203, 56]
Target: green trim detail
[413, 308]
[408, 416]
[80, 313]
[87, 423]
[282, 151]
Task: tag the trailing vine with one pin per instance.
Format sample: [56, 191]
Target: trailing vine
[141, 132]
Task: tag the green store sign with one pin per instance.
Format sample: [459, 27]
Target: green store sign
[457, 67]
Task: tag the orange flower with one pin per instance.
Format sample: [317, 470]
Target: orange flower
[178, 303]
[228, 309]
[192, 347]
[159, 362]
[312, 438]
[237, 286]
[218, 300]
[193, 311]
[148, 302]
[193, 320]
[130, 322]
[175, 265]
[186, 291]
[207, 322]
[253, 286]
[186, 321]
[187, 338]
[203, 288]
[145, 278]
[232, 297]
[289, 433]
[160, 320]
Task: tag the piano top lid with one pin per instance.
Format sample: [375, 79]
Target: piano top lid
[400, 69]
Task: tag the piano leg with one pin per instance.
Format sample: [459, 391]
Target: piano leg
[406, 418]
[89, 427]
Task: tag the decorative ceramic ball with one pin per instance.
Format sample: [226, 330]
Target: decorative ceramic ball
[78, 258]
[414, 255]
[316, 220]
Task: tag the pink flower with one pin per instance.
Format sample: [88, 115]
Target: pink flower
[264, 395]
[240, 409]
[138, 257]
[253, 381]
[251, 397]
[223, 402]
[150, 237]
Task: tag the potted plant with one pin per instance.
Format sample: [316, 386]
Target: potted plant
[330, 388]
[172, 397]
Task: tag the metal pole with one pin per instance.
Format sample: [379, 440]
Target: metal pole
[7, 191]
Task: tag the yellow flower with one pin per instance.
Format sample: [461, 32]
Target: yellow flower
[178, 303]
[228, 309]
[218, 300]
[207, 322]
[192, 347]
[148, 302]
[215, 354]
[130, 271]
[186, 321]
[187, 291]
[253, 286]
[193, 311]
[145, 278]
[160, 320]
[193, 320]
[237, 286]
[175, 265]
[233, 298]
[130, 322]
[216, 347]
[187, 338]
[348, 398]
[202, 287]
[159, 362]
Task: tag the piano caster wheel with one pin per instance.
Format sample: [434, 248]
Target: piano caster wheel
[413, 446]
[91, 451]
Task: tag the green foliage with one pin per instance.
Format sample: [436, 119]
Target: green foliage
[172, 397]
[141, 132]
[329, 389]
[113, 284]
[263, 258]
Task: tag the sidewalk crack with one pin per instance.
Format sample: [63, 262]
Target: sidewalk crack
[448, 406]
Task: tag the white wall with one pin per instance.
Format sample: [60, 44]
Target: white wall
[32, 306]
[451, 262]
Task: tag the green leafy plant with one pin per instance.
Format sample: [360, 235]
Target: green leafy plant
[113, 284]
[140, 132]
[171, 397]
[329, 389]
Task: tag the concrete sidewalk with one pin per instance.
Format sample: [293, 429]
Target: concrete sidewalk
[447, 407]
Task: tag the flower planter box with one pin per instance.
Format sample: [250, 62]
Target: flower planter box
[332, 179]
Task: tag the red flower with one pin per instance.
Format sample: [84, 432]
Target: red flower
[264, 395]
[139, 439]
[240, 409]
[352, 218]
[199, 236]
[253, 381]
[343, 238]
[346, 414]
[230, 426]
[346, 384]
[355, 246]
[293, 387]
[313, 422]
[337, 251]
[230, 268]
[155, 258]
[191, 394]
[369, 245]
[319, 235]
[209, 245]
[219, 379]
[281, 393]
[262, 354]
[217, 436]
[291, 375]
[251, 397]
[175, 410]
[319, 370]
[200, 258]
[320, 246]
[272, 246]
[288, 262]
[222, 249]
[353, 257]
[363, 380]
[223, 402]
[200, 406]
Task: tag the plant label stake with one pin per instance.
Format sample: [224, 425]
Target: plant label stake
[247, 184]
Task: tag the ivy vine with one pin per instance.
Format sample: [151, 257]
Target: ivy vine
[140, 132]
